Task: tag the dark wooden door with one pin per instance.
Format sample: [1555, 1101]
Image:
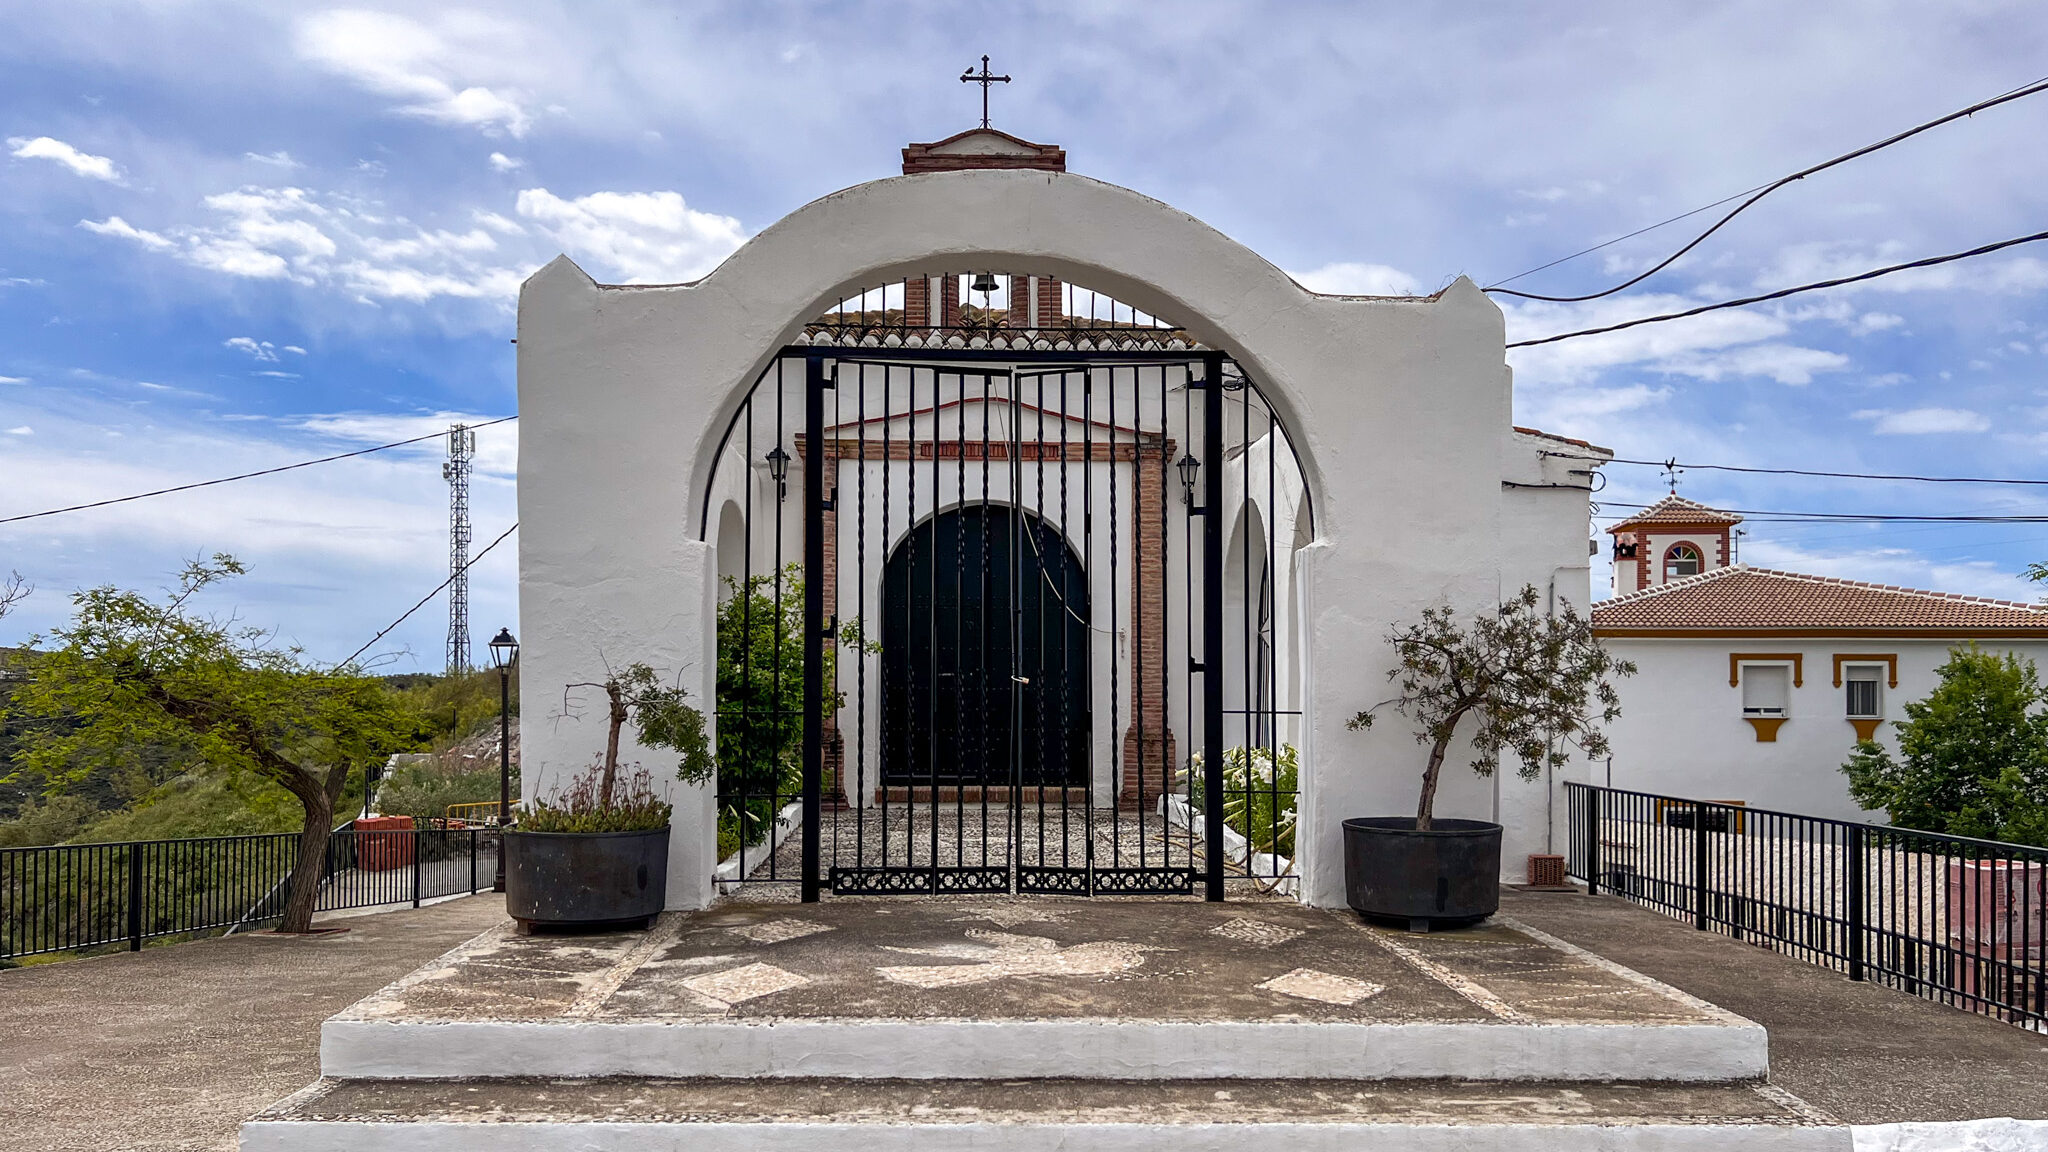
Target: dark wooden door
[984, 654]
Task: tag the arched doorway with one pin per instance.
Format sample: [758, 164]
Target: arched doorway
[984, 654]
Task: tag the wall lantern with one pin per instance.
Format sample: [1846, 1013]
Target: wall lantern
[1189, 469]
[778, 470]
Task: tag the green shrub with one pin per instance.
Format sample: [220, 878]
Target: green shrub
[425, 791]
[1260, 792]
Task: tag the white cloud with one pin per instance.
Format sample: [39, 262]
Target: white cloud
[83, 163]
[427, 70]
[1923, 421]
[497, 447]
[1355, 279]
[503, 163]
[295, 350]
[260, 349]
[115, 226]
[1900, 566]
[13, 379]
[1784, 363]
[645, 237]
[278, 159]
[21, 430]
[1871, 322]
[299, 235]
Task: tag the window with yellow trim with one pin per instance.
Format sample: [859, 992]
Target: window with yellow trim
[1766, 691]
[1864, 685]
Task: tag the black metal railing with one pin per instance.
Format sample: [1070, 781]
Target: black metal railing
[74, 897]
[1950, 918]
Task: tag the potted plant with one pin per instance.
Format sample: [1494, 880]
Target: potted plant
[594, 855]
[1534, 683]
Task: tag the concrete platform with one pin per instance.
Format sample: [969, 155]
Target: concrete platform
[993, 988]
[816, 1115]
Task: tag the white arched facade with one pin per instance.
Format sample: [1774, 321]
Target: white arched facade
[1398, 410]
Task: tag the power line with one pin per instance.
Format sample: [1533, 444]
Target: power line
[1809, 472]
[1779, 517]
[1781, 293]
[242, 476]
[1759, 193]
[436, 592]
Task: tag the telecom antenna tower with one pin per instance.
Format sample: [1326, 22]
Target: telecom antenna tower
[461, 450]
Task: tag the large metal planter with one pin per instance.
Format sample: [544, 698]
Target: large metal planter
[585, 880]
[1446, 877]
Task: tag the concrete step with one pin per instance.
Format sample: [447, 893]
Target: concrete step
[992, 988]
[996, 1049]
[834, 1115]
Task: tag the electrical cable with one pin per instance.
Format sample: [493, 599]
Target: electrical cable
[2021, 92]
[1781, 293]
[242, 476]
[1779, 517]
[1833, 475]
[429, 596]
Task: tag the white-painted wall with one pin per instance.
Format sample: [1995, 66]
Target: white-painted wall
[1399, 409]
[1681, 731]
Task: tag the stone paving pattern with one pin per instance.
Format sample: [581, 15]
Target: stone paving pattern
[995, 958]
[803, 1100]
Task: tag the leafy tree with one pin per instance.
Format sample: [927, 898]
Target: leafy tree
[131, 671]
[1532, 679]
[1973, 755]
[760, 697]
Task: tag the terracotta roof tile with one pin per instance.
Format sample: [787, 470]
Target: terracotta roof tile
[1675, 509]
[1563, 439]
[1761, 600]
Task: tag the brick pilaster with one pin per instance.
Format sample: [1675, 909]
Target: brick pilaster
[1149, 750]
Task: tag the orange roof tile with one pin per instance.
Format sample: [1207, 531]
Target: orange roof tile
[1563, 439]
[1762, 601]
[1677, 510]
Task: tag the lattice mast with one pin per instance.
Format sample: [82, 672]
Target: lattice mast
[461, 451]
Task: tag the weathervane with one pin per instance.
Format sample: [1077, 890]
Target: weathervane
[983, 78]
[1671, 474]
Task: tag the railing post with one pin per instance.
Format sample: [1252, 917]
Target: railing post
[1856, 900]
[416, 868]
[472, 861]
[135, 897]
[1593, 806]
[1699, 866]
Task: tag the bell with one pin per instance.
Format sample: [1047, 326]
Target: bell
[984, 283]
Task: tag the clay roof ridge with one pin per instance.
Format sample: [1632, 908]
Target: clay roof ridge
[1693, 581]
[1675, 503]
[1898, 589]
[1572, 440]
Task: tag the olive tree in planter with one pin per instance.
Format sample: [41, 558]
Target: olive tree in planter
[595, 853]
[1536, 685]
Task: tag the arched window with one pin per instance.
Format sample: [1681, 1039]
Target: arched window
[1681, 560]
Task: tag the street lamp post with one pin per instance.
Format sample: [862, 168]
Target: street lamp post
[504, 650]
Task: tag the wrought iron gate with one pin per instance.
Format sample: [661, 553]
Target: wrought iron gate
[1038, 595]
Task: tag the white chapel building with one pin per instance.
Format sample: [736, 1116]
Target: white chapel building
[1754, 685]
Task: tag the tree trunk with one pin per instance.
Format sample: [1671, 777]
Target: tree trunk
[1425, 810]
[312, 863]
[611, 742]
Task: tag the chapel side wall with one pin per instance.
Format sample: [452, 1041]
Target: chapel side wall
[1681, 731]
[1543, 545]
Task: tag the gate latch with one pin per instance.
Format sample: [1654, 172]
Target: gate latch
[1021, 679]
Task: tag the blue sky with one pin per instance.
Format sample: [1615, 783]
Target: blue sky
[233, 236]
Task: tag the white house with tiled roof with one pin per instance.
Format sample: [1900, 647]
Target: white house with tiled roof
[1754, 685]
